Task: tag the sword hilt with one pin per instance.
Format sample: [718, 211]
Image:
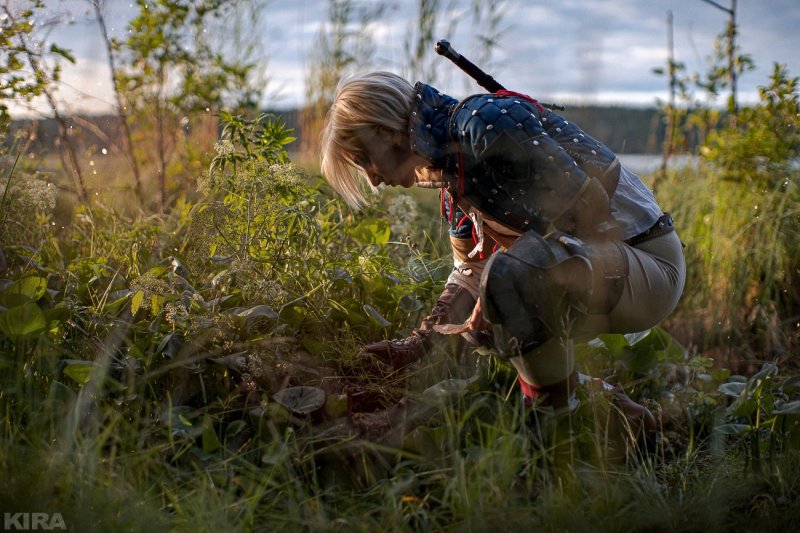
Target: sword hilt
[444, 48]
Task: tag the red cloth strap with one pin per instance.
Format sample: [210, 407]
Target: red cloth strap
[504, 92]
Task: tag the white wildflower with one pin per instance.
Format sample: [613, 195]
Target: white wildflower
[402, 212]
[223, 147]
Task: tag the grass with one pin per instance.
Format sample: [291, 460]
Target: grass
[139, 357]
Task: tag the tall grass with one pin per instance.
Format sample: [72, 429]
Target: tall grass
[737, 213]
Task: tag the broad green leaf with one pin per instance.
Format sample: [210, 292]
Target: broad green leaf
[157, 303]
[732, 389]
[210, 440]
[614, 342]
[301, 400]
[60, 394]
[314, 346]
[633, 338]
[24, 290]
[767, 371]
[79, 370]
[235, 427]
[136, 302]
[372, 231]
[788, 408]
[158, 270]
[57, 314]
[355, 315]
[178, 422]
[642, 359]
[259, 311]
[376, 316]
[410, 304]
[733, 429]
[335, 405]
[448, 389]
[115, 305]
[24, 320]
[171, 344]
[342, 275]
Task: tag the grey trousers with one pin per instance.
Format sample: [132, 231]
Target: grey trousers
[652, 288]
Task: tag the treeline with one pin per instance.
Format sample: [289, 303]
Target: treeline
[623, 129]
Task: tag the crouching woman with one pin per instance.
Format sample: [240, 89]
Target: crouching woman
[553, 239]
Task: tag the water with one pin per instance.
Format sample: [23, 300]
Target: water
[647, 164]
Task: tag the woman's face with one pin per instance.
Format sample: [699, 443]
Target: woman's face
[388, 159]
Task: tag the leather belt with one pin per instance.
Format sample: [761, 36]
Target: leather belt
[663, 225]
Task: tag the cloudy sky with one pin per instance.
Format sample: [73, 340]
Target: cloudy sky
[586, 51]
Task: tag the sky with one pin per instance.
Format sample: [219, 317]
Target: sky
[568, 51]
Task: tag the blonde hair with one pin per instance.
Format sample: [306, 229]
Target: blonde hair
[365, 103]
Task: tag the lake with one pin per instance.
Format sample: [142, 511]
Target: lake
[646, 164]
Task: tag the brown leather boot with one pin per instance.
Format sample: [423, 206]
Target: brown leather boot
[453, 306]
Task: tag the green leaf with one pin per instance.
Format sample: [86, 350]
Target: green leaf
[114, 306]
[24, 290]
[614, 342]
[733, 429]
[335, 405]
[301, 400]
[22, 321]
[210, 440]
[61, 395]
[376, 316]
[136, 302]
[633, 338]
[157, 303]
[410, 304]
[66, 54]
[372, 231]
[788, 408]
[254, 314]
[641, 360]
[177, 419]
[171, 345]
[235, 427]
[79, 370]
[314, 346]
[767, 371]
[732, 389]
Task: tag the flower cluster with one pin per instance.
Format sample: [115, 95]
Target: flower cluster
[21, 200]
[402, 212]
[33, 194]
[176, 314]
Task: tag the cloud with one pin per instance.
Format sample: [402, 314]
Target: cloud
[595, 49]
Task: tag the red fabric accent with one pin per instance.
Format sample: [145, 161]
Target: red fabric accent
[461, 222]
[460, 163]
[529, 391]
[495, 247]
[535, 102]
[452, 212]
[441, 200]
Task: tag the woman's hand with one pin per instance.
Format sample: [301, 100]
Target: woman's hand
[476, 320]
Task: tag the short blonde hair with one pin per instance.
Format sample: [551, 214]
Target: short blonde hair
[366, 103]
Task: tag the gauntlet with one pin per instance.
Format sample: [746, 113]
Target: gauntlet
[453, 306]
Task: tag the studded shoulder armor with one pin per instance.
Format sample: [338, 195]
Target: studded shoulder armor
[519, 163]
[517, 172]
